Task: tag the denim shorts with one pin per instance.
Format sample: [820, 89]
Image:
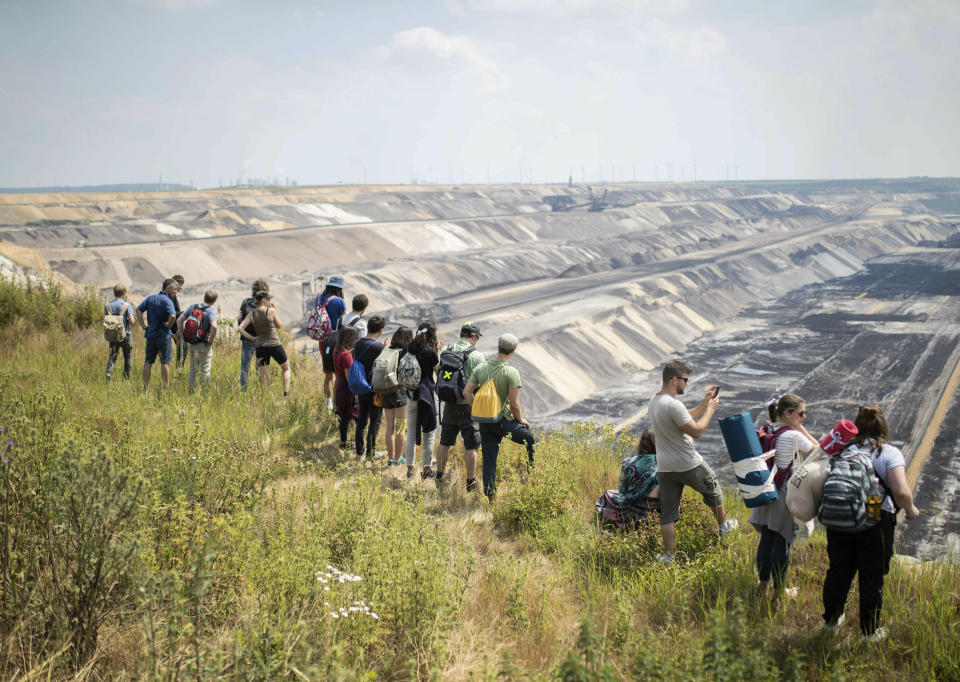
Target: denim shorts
[159, 344]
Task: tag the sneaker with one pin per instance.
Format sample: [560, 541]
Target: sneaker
[428, 474]
[831, 628]
[728, 527]
[665, 559]
[791, 592]
[472, 485]
[877, 635]
[409, 474]
[330, 404]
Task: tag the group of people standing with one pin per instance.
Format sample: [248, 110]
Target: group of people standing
[865, 553]
[414, 414]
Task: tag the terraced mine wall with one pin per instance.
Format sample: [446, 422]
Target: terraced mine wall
[845, 292]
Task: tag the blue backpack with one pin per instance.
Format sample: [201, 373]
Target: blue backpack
[357, 378]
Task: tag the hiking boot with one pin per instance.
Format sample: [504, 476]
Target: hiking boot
[472, 485]
[428, 474]
[665, 559]
[441, 481]
[877, 635]
[728, 527]
[831, 628]
[409, 473]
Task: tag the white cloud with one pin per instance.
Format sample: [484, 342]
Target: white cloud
[684, 42]
[177, 4]
[458, 51]
[646, 7]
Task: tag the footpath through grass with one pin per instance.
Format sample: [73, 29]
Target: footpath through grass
[164, 535]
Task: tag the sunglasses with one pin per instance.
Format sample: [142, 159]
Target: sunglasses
[802, 413]
[684, 379]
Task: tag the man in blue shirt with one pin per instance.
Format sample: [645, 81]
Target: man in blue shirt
[201, 354]
[119, 306]
[162, 316]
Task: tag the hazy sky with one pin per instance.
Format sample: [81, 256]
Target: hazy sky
[98, 91]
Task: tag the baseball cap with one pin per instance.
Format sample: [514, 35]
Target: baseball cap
[469, 328]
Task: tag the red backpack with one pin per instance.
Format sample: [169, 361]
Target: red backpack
[194, 327]
[319, 327]
[768, 441]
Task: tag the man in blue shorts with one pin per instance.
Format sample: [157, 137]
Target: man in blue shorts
[161, 316]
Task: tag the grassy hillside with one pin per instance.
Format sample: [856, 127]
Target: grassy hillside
[223, 535]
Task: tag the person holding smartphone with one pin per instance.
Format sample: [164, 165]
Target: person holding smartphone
[678, 462]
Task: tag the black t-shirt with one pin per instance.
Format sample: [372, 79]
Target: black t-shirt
[428, 359]
[364, 354]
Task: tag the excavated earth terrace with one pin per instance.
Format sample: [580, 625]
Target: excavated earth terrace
[845, 292]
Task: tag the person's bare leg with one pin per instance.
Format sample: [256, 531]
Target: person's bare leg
[721, 514]
[165, 373]
[470, 463]
[389, 425]
[669, 533]
[264, 372]
[442, 452]
[328, 386]
[285, 368]
[147, 367]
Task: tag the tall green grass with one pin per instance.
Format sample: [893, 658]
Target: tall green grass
[168, 535]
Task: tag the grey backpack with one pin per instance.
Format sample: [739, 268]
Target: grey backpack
[408, 371]
[114, 329]
[851, 494]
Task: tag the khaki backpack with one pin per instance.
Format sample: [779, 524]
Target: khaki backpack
[114, 330]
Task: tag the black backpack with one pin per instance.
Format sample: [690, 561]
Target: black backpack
[450, 379]
[246, 307]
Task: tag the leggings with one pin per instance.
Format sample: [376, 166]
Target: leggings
[773, 556]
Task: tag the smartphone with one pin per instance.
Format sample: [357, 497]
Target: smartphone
[716, 392]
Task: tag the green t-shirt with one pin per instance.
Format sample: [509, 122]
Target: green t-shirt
[504, 379]
[473, 359]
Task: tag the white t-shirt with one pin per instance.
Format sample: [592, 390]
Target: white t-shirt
[788, 443]
[675, 449]
[887, 458]
[356, 321]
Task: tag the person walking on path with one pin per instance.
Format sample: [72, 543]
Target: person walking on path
[678, 462]
[867, 553]
[119, 306]
[395, 404]
[506, 379]
[345, 405]
[455, 416]
[332, 298]
[421, 408]
[365, 351]
[201, 353]
[162, 316]
[774, 521]
[266, 324]
[247, 347]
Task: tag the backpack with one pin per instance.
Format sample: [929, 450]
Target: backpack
[768, 436]
[195, 327]
[851, 495]
[624, 515]
[408, 371]
[357, 378]
[450, 379]
[114, 330]
[487, 406]
[319, 326]
[385, 371]
[638, 476]
[246, 307]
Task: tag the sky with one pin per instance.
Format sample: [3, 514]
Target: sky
[476, 91]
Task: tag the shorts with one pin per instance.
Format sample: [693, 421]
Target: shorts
[455, 420]
[264, 353]
[391, 401]
[159, 344]
[701, 478]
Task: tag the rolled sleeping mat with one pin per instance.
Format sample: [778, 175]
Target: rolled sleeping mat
[740, 436]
